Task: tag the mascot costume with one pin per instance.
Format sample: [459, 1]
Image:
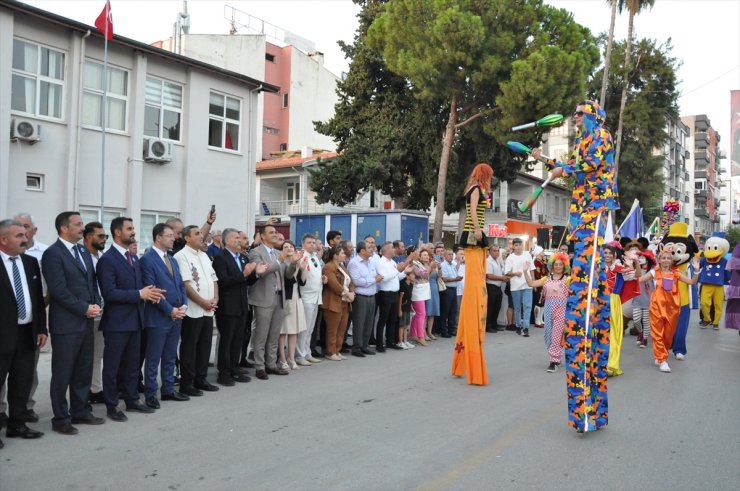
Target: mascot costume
[713, 278]
[684, 247]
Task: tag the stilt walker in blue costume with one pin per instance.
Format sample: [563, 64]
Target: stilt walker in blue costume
[591, 164]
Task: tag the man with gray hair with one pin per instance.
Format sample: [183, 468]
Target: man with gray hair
[366, 279]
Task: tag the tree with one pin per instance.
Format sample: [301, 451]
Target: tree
[634, 7]
[652, 98]
[608, 56]
[485, 58]
[733, 236]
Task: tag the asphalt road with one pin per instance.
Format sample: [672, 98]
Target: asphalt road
[399, 421]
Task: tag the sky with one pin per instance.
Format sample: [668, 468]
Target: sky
[704, 34]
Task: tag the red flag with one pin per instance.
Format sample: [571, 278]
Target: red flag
[104, 22]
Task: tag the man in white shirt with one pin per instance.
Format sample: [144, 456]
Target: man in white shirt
[495, 280]
[387, 298]
[197, 326]
[311, 296]
[521, 293]
[366, 278]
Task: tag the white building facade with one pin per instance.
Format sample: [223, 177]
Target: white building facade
[181, 134]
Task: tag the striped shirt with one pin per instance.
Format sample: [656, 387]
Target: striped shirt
[480, 210]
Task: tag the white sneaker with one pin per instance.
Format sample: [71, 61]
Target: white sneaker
[410, 345]
[313, 360]
[665, 368]
[680, 356]
[402, 345]
[304, 362]
[293, 365]
[657, 363]
[284, 365]
[341, 356]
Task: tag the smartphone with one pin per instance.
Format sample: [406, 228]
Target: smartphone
[213, 209]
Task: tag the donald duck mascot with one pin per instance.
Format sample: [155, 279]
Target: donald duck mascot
[713, 278]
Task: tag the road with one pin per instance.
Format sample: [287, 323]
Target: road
[399, 421]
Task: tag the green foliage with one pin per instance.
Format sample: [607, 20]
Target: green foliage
[733, 236]
[652, 98]
[509, 61]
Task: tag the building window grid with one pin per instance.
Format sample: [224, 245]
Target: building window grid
[34, 182]
[224, 121]
[117, 97]
[163, 107]
[147, 221]
[47, 89]
[92, 214]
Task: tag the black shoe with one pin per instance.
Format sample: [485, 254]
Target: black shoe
[23, 431]
[2, 445]
[65, 429]
[525, 332]
[226, 381]
[344, 351]
[380, 349]
[395, 346]
[447, 335]
[3, 419]
[88, 420]
[206, 386]
[141, 388]
[246, 364]
[316, 354]
[175, 396]
[29, 416]
[96, 398]
[189, 391]
[117, 415]
[490, 329]
[358, 353]
[368, 351]
[553, 367]
[276, 371]
[519, 331]
[241, 378]
[243, 371]
[511, 327]
[262, 375]
[152, 402]
[211, 365]
[138, 407]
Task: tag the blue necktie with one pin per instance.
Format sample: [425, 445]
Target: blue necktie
[20, 298]
[78, 257]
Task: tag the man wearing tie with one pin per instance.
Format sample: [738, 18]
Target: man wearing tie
[233, 278]
[119, 276]
[267, 298]
[162, 320]
[74, 302]
[22, 324]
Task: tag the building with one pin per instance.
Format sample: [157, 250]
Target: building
[678, 173]
[704, 164]
[181, 133]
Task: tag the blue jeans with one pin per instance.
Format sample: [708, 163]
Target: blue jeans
[522, 307]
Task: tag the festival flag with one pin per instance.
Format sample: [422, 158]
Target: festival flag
[104, 22]
[609, 234]
[633, 224]
[653, 230]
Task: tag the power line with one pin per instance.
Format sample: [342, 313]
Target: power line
[713, 80]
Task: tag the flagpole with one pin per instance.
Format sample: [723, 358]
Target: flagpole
[105, 112]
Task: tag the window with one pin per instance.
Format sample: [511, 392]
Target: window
[269, 57]
[224, 121]
[38, 80]
[271, 131]
[34, 182]
[92, 97]
[147, 222]
[283, 147]
[293, 192]
[285, 100]
[163, 109]
[91, 214]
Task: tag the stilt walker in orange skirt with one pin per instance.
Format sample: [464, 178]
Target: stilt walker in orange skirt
[468, 356]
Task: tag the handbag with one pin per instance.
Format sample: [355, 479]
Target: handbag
[441, 285]
[471, 239]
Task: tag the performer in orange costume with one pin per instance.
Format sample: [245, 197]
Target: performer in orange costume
[471, 327]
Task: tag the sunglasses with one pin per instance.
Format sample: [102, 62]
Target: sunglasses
[578, 114]
[102, 236]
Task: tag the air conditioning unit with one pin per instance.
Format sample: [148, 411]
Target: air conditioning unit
[23, 130]
[157, 151]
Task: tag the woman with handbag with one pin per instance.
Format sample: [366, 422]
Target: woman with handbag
[336, 301]
[471, 330]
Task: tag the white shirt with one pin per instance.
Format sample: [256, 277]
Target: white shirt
[493, 267]
[24, 282]
[515, 264]
[311, 275]
[37, 250]
[391, 276]
[461, 284]
[195, 267]
[122, 250]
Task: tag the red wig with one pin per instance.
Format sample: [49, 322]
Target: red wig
[481, 175]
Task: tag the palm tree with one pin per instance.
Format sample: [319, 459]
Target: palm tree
[634, 7]
[608, 56]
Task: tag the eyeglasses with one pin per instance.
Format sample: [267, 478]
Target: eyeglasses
[102, 236]
[578, 114]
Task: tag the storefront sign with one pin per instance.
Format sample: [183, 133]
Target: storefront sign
[495, 230]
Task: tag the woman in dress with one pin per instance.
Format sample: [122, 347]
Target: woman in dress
[555, 292]
[471, 330]
[336, 300]
[420, 294]
[614, 284]
[294, 320]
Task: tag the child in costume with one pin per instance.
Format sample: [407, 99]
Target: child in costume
[732, 315]
[555, 292]
[713, 278]
[615, 284]
[665, 305]
[641, 303]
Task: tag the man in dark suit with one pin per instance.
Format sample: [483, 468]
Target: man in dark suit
[233, 277]
[22, 324]
[162, 320]
[73, 304]
[119, 276]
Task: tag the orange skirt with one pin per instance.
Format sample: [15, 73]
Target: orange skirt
[468, 356]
